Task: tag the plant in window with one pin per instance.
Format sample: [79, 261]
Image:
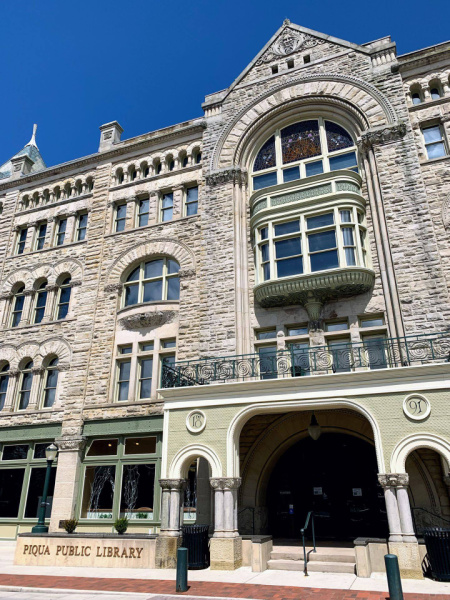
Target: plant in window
[121, 525]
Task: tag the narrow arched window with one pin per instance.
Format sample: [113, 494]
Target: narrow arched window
[153, 281]
[18, 302]
[51, 383]
[4, 380]
[41, 300]
[26, 380]
[64, 298]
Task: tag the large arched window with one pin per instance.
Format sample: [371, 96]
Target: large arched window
[64, 298]
[4, 380]
[26, 380]
[18, 302]
[301, 150]
[41, 300]
[50, 383]
[153, 281]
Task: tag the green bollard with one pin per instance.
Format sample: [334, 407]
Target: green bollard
[182, 570]
[393, 577]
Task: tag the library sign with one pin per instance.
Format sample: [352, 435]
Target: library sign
[78, 551]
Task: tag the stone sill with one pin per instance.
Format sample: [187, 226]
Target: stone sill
[32, 252]
[107, 536]
[151, 225]
[128, 184]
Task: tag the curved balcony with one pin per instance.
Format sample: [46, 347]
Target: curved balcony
[313, 289]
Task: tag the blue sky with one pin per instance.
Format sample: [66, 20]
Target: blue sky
[71, 66]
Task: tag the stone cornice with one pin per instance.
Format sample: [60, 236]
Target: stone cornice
[381, 135]
[99, 157]
[234, 174]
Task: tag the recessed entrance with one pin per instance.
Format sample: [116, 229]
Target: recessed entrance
[336, 477]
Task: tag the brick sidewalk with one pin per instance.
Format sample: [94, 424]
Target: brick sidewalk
[200, 588]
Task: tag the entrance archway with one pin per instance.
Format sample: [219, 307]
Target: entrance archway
[336, 477]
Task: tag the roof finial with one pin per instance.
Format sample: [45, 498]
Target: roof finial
[32, 142]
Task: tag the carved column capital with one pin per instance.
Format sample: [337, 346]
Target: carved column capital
[76, 444]
[381, 135]
[225, 483]
[172, 484]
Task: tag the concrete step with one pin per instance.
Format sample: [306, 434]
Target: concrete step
[317, 566]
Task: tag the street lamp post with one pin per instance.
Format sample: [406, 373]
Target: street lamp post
[50, 455]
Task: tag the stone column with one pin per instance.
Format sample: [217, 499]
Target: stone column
[226, 544]
[404, 509]
[169, 538]
[67, 481]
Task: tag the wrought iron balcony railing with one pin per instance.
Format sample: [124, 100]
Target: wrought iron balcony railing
[298, 361]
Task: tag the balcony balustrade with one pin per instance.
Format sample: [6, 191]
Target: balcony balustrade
[298, 361]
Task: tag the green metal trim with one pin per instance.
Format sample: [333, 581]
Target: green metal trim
[27, 433]
[151, 424]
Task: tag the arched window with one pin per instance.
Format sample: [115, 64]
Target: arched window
[302, 150]
[18, 302]
[51, 382]
[39, 306]
[26, 380]
[64, 298]
[153, 281]
[4, 380]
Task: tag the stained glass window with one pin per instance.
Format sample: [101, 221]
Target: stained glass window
[266, 156]
[300, 141]
[337, 137]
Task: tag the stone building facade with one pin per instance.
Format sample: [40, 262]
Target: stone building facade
[185, 310]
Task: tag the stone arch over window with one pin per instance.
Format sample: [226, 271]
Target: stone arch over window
[416, 441]
[356, 93]
[184, 458]
[165, 247]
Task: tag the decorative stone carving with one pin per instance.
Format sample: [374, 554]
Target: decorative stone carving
[186, 273]
[233, 174]
[222, 483]
[381, 135]
[71, 444]
[113, 287]
[151, 319]
[290, 41]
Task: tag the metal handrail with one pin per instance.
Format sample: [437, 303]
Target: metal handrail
[310, 516]
[298, 361]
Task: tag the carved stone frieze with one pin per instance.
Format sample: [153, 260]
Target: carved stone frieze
[148, 319]
[381, 135]
[233, 174]
[290, 41]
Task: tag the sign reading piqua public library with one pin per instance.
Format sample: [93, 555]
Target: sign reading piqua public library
[77, 551]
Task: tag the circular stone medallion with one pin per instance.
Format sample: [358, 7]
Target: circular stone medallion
[196, 421]
[416, 407]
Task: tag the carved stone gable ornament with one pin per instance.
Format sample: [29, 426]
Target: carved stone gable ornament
[290, 41]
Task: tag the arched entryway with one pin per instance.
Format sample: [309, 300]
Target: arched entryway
[286, 473]
[336, 477]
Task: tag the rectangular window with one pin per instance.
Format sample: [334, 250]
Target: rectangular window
[82, 226]
[60, 236]
[434, 141]
[167, 207]
[40, 238]
[123, 379]
[143, 212]
[34, 496]
[191, 201]
[21, 239]
[98, 492]
[120, 217]
[138, 483]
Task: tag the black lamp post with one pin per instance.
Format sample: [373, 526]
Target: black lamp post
[50, 455]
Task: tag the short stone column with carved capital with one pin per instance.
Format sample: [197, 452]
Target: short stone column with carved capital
[226, 544]
[402, 540]
[67, 480]
[169, 538]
